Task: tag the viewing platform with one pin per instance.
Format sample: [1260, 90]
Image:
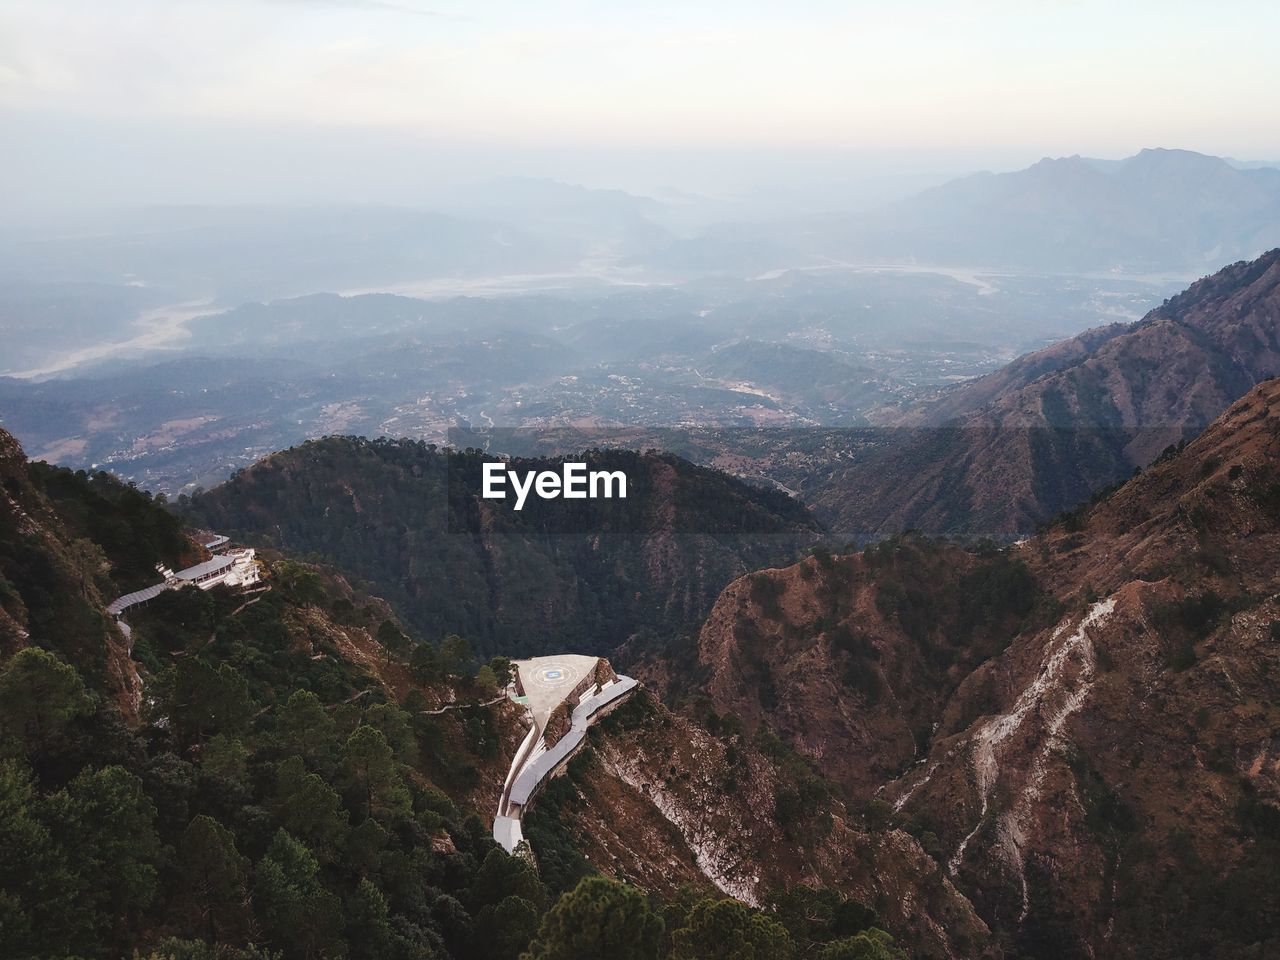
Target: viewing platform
[564, 696]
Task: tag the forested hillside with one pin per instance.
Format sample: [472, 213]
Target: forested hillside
[585, 575]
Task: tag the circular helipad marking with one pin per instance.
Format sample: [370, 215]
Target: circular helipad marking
[555, 675]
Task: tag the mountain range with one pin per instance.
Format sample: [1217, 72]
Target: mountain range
[1157, 211]
[1062, 747]
[1051, 733]
[1160, 211]
[999, 455]
[294, 772]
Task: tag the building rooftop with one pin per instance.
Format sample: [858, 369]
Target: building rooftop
[224, 566]
[216, 565]
[120, 604]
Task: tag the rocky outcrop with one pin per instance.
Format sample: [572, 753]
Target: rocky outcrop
[851, 659]
[557, 724]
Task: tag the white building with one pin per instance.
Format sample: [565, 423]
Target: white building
[235, 568]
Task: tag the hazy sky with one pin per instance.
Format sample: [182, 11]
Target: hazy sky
[362, 99]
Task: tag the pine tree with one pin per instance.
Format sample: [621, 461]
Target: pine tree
[309, 808]
[39, 696]
[215, 877]
[598, 918]
[299, 914]
[105, 827]
[305, 728]
[372, 776]
[730, 930]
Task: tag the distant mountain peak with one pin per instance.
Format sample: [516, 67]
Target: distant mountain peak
[1162, 210]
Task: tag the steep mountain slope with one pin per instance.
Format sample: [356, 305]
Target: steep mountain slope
[669, 801]
[253, 773]
[1014, 376]
[1008, 451]
[55, 581]
[1105, 782]
[583, 575]
[1123, 785]
[852, 659]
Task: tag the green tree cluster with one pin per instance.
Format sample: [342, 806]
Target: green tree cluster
[604, 918]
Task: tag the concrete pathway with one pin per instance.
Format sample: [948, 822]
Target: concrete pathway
[547, 682]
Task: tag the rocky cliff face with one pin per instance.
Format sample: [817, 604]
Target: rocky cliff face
[1108, 784]
[852, 658]
[1127, 770]
[1000, 455]
[661, 799]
